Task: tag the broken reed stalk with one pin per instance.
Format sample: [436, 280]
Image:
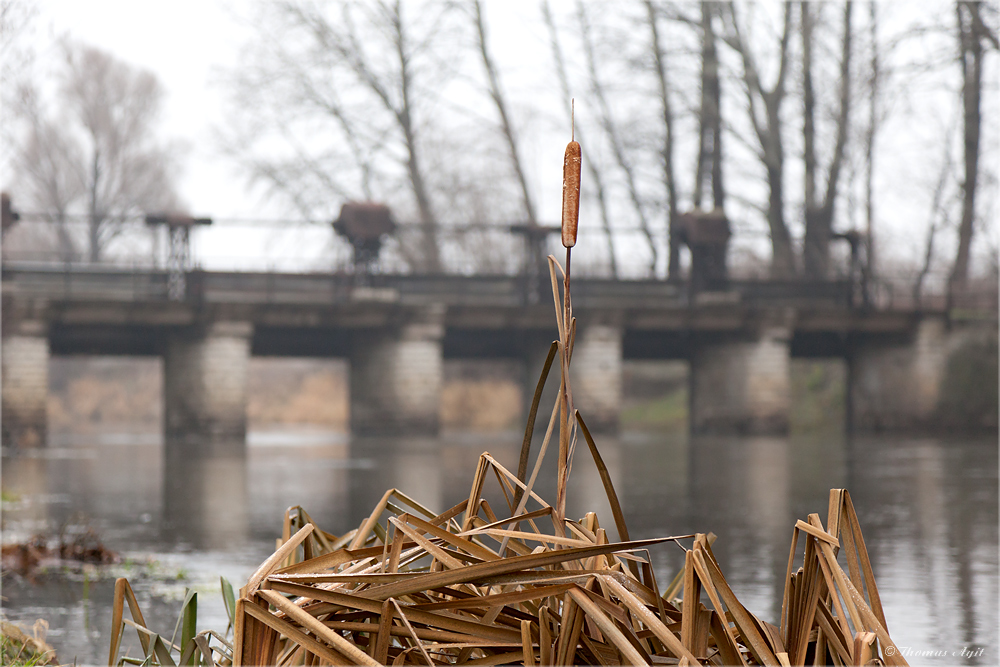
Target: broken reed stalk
[467, 587]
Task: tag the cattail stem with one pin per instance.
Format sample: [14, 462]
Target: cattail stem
[570, 219]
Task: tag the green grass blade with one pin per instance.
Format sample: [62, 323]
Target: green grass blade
[229, 598]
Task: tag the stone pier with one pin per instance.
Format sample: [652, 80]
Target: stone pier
[740, 384]
[596, 375]
[396, 376]
[25, 379]
[205, 383]
[941, 376]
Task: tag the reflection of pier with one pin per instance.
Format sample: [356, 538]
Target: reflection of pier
[397, 330]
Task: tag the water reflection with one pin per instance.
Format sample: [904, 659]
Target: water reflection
[928, 508]
[313, 471]
[205, 496]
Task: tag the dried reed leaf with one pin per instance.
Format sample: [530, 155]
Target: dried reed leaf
[544, 636]
[724, 641]
[454, 624]
[294, 633]
[409, 628]
[529, 429]
[338, 643]
[654, 624]
[787, 595]
[271, 564]
[832, 633]
[818, 533]
[866, 565]
[609, 487]
[608, 628]
[503, 566]
[527, 645]
[123, 594]
[755, 642]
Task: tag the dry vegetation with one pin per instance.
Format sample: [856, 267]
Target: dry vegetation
[126, 393]
[297, 391]
[466, 587]
[529, 585]
[88, 392]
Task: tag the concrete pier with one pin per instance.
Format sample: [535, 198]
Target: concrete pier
[941, 376]
[396, 376]
[741, 384]
[205, 383]
[25, 380]
[596, 375]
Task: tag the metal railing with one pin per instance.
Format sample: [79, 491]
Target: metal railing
[134, 269]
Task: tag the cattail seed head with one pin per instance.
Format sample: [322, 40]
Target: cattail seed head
[571, 194]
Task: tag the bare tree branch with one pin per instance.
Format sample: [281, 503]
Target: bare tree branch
[595, 174]
[769, 133]
[610, 128]
[496, 94]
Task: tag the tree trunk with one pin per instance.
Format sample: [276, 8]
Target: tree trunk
[782, 253]
[937, 219]
[971, 60]
[819, 216]
[870, 149]
[715, 88]
[808, 109]
[673, 243]
[769, 134]
[93, 216]
[709, 117]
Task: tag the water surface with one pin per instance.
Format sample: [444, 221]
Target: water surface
[181, 518]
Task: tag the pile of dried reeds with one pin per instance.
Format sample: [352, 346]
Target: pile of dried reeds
[532, 586]
[465, 587]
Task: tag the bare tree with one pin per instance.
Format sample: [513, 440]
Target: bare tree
[96, 149]
[972, 32]
[819, 212]
[345, 89]
[768, 127]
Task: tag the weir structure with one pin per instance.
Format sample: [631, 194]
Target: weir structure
[397, 331]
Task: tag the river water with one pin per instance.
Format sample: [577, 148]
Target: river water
[928, 508]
